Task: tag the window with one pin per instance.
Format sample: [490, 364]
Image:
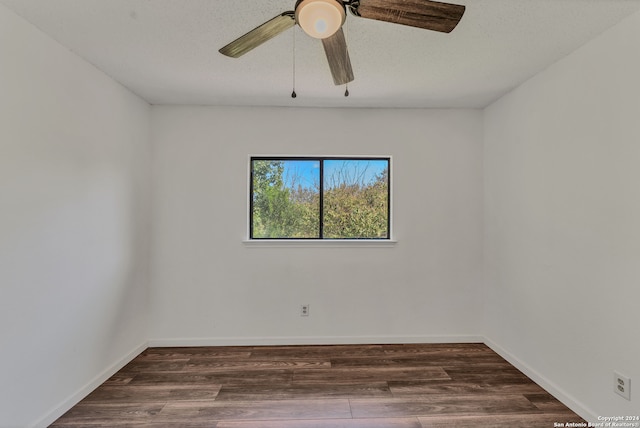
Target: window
[319, 198]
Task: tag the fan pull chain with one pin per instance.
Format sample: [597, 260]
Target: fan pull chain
[293, 93]
[346, 37]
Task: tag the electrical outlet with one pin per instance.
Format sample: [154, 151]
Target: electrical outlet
[622, 385]
[304, 310]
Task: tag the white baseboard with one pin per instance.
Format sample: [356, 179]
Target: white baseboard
[71, 401]
[566, 399]
[312, 340]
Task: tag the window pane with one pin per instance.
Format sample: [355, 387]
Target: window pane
[285, 198]
[356, 199]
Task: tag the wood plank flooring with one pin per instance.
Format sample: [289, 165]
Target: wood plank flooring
[341, 386]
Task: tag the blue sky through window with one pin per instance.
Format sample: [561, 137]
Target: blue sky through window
[306, 173]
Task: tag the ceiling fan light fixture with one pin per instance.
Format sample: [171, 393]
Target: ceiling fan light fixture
[320, 18]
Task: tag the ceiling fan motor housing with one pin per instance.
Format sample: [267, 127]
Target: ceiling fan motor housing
[320, 18]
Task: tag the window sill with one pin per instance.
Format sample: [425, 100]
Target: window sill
[320, 243]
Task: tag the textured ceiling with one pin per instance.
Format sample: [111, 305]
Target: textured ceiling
[166, 51]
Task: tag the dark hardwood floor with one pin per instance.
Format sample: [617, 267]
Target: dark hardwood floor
[350, 386]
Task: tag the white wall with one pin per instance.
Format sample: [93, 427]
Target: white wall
[74, 186]
[562, 236]
[210, 288]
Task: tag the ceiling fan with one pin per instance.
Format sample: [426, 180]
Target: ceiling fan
[323, 19]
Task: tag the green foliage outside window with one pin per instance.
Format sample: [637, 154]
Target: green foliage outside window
[286, 198]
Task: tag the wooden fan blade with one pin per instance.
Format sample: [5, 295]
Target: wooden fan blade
[430, 15]
[338, 56]
[259, 35]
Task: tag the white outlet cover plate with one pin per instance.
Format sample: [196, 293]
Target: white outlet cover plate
[622, 385]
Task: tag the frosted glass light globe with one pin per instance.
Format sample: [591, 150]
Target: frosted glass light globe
[320, 18]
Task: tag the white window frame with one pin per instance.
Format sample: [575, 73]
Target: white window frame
[283, 242]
